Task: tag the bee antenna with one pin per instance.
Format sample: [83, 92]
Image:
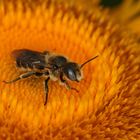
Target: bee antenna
[88, 61]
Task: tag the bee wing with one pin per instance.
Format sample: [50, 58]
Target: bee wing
[29, 59]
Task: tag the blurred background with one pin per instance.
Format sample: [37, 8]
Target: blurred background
[125, 11]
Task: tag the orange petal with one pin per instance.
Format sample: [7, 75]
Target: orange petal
[108, 102]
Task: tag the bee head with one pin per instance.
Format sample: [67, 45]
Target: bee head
[72, 71]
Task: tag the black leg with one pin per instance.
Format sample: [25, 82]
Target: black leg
[25, 75]
[66, 83]
[46, 90]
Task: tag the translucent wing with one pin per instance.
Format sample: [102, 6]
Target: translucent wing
[29, 59]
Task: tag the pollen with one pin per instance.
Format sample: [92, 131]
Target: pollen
[107, 105]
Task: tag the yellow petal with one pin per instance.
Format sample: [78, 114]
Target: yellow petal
[128, 14]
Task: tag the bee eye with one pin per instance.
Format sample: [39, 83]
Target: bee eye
[71, 75]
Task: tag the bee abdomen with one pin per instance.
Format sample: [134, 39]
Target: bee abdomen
[29, 59]
[22, 64]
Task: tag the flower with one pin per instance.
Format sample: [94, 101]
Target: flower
[108, 102]
[128, 14]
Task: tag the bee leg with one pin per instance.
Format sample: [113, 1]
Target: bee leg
[46, 90]
[66, 83]
[25, 75]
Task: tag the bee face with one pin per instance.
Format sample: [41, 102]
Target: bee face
[72, 71]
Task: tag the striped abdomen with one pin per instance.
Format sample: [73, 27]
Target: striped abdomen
[29, 59]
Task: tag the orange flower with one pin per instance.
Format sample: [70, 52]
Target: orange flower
[128, 14]
[108, 102]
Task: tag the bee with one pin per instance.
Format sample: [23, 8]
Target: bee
[49, 65]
